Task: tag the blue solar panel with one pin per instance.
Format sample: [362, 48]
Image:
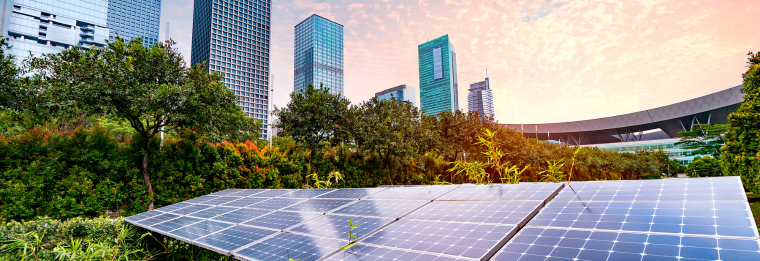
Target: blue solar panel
[275, 193]
[382, 208]
[241, 215]
[233, 238]
[412, 193]
[352, 193]
[451, 238]
[495, 212]
[281, 219]
[244, 202]
[561, 244]
[144, 215]
[277, 203]
[176, 223]
[307, 193]
[366, 252]
[338, 226]
[190, 209]
[319, 205]
[694, 189]
[200, 199]
[522, 191]
[220, 200]
[199, 229]
[213, 212]
[248, 192]
[286, 246]
[157, 219]
[174, 207]
[227, 192]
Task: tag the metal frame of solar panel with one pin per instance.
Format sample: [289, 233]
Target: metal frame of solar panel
[668, 219]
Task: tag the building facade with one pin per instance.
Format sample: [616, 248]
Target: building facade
[402, 92]
[232, 37]
[134, 18]
[318, 54]
[438, 76]
[480, 98]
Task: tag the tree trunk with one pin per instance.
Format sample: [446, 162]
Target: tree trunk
[388, 167]
[144, 169]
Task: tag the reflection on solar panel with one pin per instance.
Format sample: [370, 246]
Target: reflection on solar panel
[275, 193]
[199, 229]
[381, 208]
[365, 252]
[241, 215]
[307, 193]
[523, 191]
[213, 212]
[356, 193]
[494, 212]
[412, 193]
[144, 215]
[244, 202]
[173, 207]
[227, 192]
[281, 219]
[277, 203]
[190, 209]
[220, 201]
[337, 226]
[248, 192]
[701, 189]
[319, 205]
[285, 246]
[234, 238]
[175, 223]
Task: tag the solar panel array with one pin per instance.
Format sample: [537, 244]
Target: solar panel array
[676, 219]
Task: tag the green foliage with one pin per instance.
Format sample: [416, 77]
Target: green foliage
[495, 155]
[741, 154]
[704, 167]
[352, 239]
[474, 171]
[704, 139]
[553, 172]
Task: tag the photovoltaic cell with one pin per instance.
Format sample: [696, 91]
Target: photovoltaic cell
[699, 218]
[281, 219]
[307, 193]
[494, 212]
[235, 237]
[694, 189]
[176, 223]
[174, 207]
[248, 192]
[227, 192]
[200, 199]
[157, 219]
[338, 226]
[522, 191]
[144, 215]
[241, 215]
[220, 201]
[286, 246]
[199, 229]
[561, 244]
[212, 212]
[366, 252]
[353, 193]
[381, 208]
[412, 193]
[277, 203]
[190, 209]
[319, 205]
[244, 202]
[275, 193]
[450, 238]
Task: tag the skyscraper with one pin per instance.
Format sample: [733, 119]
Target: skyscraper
[402, 92]
[480, 98]
[318, 54]
[232, 36]
[49, 26]
[130, 19]
[438, 76]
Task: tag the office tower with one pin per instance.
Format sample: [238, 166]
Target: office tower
[134, 18]
[480, 98]
[318, 54]
[402, 92]
[232, 36]
[438, 76]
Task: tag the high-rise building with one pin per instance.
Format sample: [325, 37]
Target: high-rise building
[480, 98]
[438, 76]
[402, 92]
[318, 54]
[232, 36]
[49, 26]
[134, 18]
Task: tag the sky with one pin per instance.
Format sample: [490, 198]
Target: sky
[548, 61]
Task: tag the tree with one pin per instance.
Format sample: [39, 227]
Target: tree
[315, 116]
[704, 139]
[741, 154]
[150, 88]
[389, 128]
[703, 167]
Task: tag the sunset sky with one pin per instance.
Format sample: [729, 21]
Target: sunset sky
[548, 61]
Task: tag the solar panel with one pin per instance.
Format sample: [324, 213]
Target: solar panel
[338, 226]
[699, 189]
[244, 202]
[220, 201]
[174, 206]
[277, 203]
[286, 246]
[469, 240]
[352, 193]
[199, 229]
[227, 192]
[494, 212]
[275, 193]
[241, 215]
[319, 205]
[366, 252]
[522, 191]
[412, 193]
[144, 215]
[248, 192]
[212, 212]
[200, 199]
[176, 223]
[564, 244]
[381, 208]
[307, 193]
[233, 238]
[281, 219]
[157, 219]
[190, 209]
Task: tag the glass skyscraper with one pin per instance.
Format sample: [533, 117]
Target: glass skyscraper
[232, 36]
[318, 54]
[402, 92]
[49, 26]
[480, 98]
[134, 18]
[438, 76]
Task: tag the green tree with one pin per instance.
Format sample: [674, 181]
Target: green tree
[389, 128]
[704, 139]
[741, 154]
[315, 116]
[148, 87]
[704, 167]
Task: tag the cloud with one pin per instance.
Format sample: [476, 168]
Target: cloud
[531, 13]
[355, 6]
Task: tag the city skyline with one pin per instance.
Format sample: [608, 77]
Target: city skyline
[549, 61]
[437, 61]
[318, 54]
[480, 98]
